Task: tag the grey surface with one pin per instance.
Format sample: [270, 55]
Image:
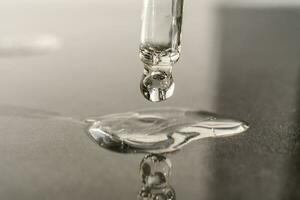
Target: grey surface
[260, 82]
[251, 72]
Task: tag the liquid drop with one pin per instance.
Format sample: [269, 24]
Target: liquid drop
[159, 130]
[157, 83]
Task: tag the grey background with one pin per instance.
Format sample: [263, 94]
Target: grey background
[240, 61]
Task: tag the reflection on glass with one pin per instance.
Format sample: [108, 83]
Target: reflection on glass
[155, 171]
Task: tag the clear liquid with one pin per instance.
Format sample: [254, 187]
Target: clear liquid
[157, 84]
[155, 171]
[161, 32]
[159, 130]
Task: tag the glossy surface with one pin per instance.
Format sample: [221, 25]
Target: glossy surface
[245, 67]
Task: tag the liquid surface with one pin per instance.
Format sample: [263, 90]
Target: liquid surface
[159, 130]
[155, 55]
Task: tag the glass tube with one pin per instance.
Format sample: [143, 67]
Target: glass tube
[161, 32]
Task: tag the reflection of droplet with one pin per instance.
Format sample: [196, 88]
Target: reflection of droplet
[160, 130]
[166, 193]
[155, 171]
[26, 45]
[157, 83]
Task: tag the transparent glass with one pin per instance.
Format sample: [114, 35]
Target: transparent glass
[161, 32]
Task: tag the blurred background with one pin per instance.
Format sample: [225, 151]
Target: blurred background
[78, 59]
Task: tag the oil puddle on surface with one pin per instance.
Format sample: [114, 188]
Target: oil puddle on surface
[159, 130]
